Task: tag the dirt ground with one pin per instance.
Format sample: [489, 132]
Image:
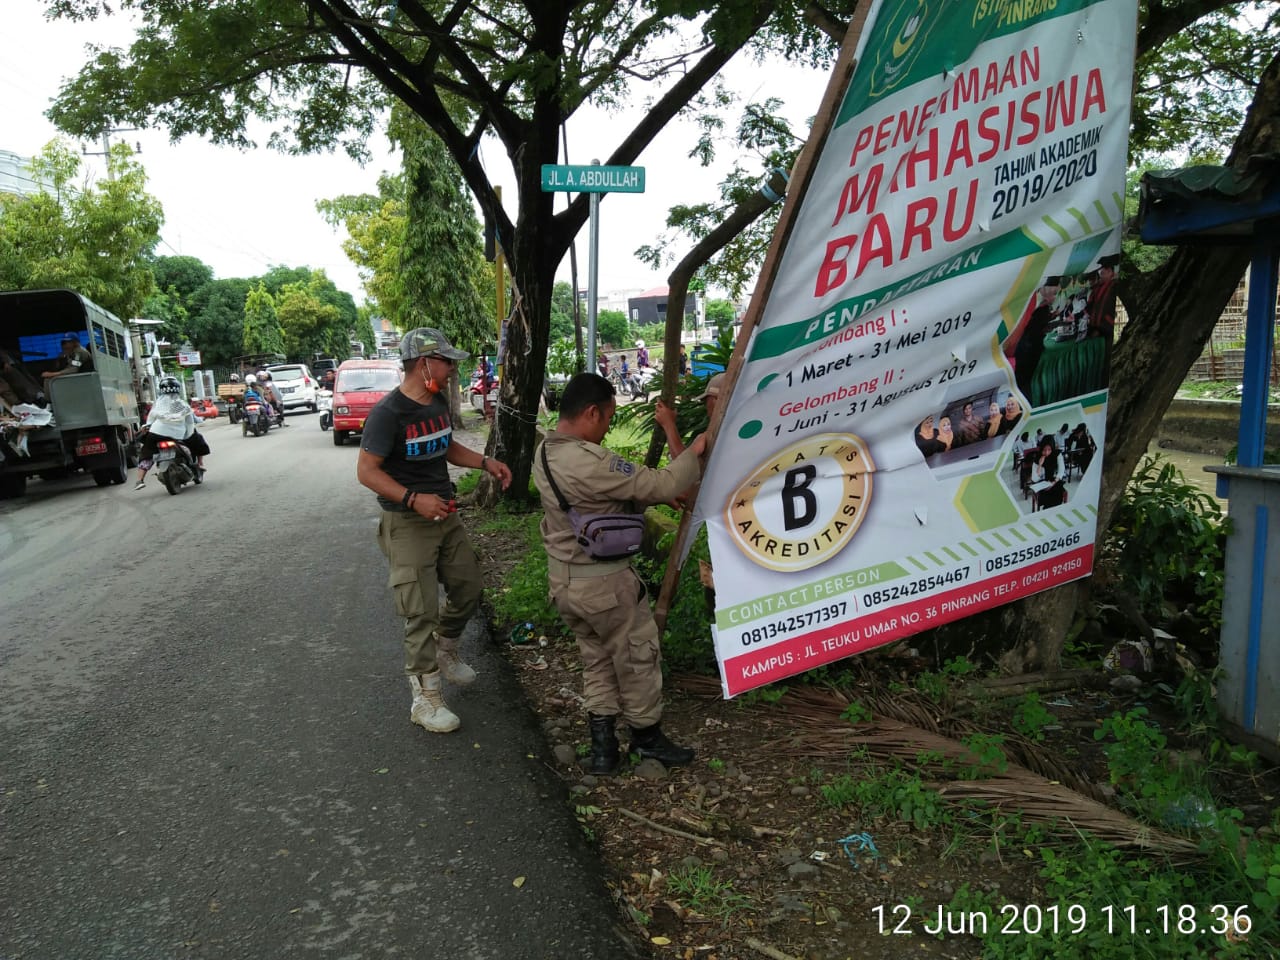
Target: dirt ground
[743, 854]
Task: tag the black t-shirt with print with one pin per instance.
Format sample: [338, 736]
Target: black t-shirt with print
[412, 438]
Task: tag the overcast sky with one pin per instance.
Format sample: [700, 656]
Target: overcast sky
[242, 212]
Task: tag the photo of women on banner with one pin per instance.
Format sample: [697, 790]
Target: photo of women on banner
[910, 426]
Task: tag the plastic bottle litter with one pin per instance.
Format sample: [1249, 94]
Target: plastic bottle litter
[523, 633]
[1190, 812]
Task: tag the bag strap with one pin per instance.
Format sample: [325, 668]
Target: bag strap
[564, 504]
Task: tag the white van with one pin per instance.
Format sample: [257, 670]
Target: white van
[296, 385]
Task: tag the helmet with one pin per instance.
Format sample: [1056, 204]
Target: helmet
[250, 379]
[170, 385]
[640, 344]
[235, 378]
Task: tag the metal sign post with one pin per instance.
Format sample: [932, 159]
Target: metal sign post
[595, 180]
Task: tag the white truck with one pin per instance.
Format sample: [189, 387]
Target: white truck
[95, 414]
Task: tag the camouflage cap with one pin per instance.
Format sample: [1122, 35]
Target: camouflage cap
[429, 342]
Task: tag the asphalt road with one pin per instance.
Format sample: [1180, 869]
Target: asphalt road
[205, 747]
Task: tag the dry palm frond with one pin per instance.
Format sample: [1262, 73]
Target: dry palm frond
[906, 729]
[1051, 802]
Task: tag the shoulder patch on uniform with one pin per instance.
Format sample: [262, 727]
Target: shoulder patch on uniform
[618, 465]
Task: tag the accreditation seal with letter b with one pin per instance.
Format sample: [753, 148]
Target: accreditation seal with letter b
[802, 506]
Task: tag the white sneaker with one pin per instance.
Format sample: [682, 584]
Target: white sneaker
[429, 710]
[454, 670]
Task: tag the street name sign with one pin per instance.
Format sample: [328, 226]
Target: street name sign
[591, 178]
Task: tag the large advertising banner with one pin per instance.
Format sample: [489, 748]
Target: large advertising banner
[915, 430]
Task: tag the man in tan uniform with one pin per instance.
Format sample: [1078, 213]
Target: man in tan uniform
[603, 602]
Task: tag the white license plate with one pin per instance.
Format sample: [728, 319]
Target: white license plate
[89, 449]
[165, 455]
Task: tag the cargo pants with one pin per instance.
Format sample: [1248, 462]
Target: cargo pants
[424, 554]
[607, 608]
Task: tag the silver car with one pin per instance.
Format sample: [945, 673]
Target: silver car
[296, 385]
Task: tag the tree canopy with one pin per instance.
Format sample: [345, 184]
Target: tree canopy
[418, 242]
[318, 71]
[263, 332]
[95, 238]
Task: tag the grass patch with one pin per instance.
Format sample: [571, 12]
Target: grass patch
[697, 888]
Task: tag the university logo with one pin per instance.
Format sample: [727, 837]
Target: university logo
[904, 40]
[802, 506]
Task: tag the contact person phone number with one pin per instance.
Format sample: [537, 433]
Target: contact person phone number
[1043, 548]
[914, 587]
[767, 631]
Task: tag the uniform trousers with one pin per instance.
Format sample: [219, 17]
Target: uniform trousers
[607, 608]
[423, 554]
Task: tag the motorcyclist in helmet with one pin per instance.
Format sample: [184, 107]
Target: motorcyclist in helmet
[251, 392]
[274, 397]
[642, 355]
[170, 418]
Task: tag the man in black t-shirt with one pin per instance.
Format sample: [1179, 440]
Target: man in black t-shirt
[405, 449]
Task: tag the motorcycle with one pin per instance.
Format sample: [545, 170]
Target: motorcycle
[175, 466]
[637, 384]
[477, 393]
[256, 419]
[324, 403]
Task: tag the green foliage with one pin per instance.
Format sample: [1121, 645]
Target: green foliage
[562, 312]
[1173, 797]
[686, 642]
[442, 260]
[262, 330]
[890, 793]
[1213, 390]
[985, 757]
[215, 319]
[310, 325]
[767, 694]
[761, 142]
[185, 275]
[94, 238]
[613, 331]
[562, 358]
[1270, 457]
[856, 713]
[1193, 90]
[698, 889]
[1030, 717]
[720, 313]
[1167, 541]
[523, 595]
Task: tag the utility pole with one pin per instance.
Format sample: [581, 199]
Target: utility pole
[105, 152]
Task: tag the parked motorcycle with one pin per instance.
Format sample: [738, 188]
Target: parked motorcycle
[256, 420]
[175, 466]
[324, 403]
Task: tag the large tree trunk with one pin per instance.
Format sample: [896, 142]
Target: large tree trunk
[533, 254]
[1172, 313]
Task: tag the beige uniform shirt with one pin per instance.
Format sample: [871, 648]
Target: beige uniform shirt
[595, 480]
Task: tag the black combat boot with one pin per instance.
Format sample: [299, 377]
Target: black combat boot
[605, 758]
[651, 742]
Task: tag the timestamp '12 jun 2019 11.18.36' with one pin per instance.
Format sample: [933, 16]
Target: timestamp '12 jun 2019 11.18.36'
[1030, 919]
